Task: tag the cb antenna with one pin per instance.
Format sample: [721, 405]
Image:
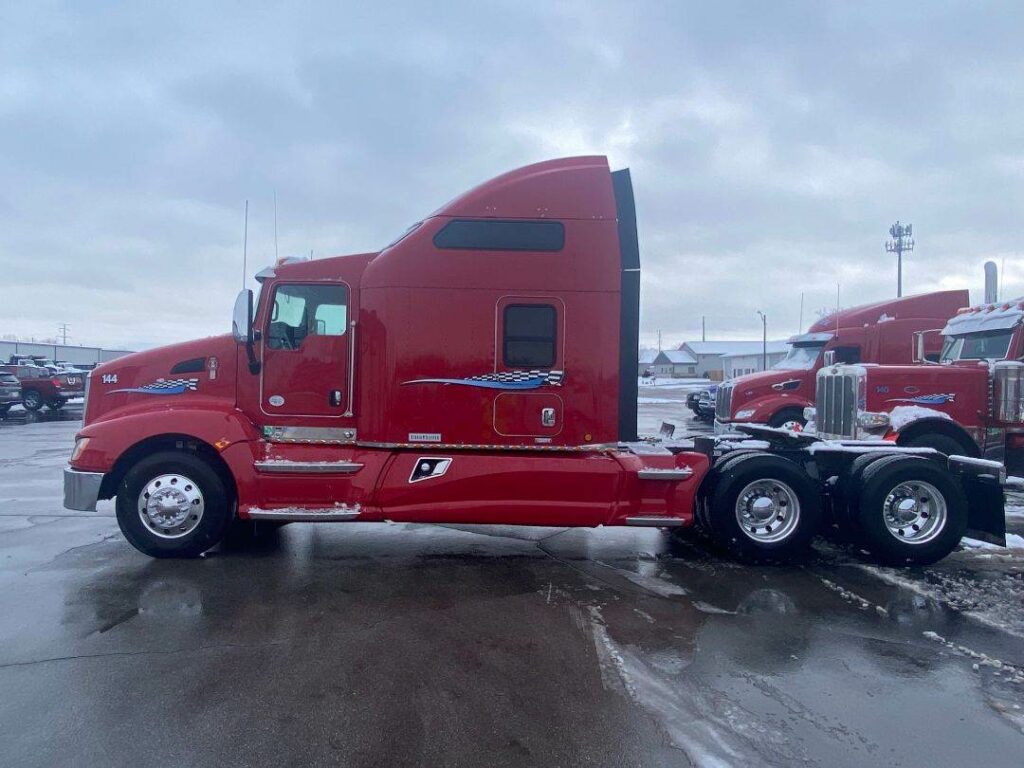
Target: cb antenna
[245, 245]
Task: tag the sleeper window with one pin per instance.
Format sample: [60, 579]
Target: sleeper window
[530, 336]
[306, 310]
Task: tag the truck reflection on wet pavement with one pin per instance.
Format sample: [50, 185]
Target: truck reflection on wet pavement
[404, 644]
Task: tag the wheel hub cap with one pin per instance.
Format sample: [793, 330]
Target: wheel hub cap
[767, 511]
[171, 506]
[915, 512]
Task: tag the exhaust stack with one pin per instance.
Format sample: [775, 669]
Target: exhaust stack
[991, 283]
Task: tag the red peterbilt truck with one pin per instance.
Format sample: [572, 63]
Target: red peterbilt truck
[480, 369]
[970, 402]
[882, 333]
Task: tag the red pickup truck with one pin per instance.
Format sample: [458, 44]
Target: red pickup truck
[40, 387]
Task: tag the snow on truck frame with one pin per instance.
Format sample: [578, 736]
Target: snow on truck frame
[480, 369]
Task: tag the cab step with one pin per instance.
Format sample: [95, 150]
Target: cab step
[336, 514]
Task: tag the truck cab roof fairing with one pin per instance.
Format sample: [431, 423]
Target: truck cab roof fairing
[541, 191]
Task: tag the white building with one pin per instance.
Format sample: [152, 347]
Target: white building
[674, 362]
[62, 353]
[708, 355]
[741, 363]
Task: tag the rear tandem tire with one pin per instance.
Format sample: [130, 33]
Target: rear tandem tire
[941, 443]
[763, 507]
[909, 511]
[184, 478]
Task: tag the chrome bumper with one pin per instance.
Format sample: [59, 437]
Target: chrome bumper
[81, 489]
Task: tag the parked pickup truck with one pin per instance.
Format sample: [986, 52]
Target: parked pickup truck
[40, 387]
[10, 392]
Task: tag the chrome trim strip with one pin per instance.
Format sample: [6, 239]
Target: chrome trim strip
[655, 522]
[339, 435]
[596, 447]
[665, 474]
[81, 489]
[351, 369]
[311, 515]
[308, 467]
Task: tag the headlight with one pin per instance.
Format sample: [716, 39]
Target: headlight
[80, 445]
[810, 414]
[746, 413]
[869, 420]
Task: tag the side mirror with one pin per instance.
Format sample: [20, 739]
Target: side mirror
[919, 355]
[241, 319]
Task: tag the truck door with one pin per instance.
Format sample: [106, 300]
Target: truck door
[305, 368]
[528, 359]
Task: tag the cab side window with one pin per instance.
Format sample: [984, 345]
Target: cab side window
[306, 309]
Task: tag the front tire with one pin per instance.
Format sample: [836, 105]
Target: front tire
[31, 400]
[910, 511]
[789, 418]
[173, 504]
[763, 507]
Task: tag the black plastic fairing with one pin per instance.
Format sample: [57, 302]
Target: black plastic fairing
[629, 306]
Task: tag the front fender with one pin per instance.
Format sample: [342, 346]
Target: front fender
[766, 406]
[109, 439]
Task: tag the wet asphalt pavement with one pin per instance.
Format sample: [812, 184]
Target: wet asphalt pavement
[419, 645]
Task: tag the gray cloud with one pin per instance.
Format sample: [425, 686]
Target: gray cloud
[772, 144]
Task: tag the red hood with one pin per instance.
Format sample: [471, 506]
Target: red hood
[775, 385]
[960, 391]
[200, 369]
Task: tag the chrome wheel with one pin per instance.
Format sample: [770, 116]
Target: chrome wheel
[767, 511]
[914, 512]
[171, 506]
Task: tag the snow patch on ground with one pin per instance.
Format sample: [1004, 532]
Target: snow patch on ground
[1013, 541]
[656, 401]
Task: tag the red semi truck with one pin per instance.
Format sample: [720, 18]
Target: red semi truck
[880, 333]
[480, 369]
[970, 402]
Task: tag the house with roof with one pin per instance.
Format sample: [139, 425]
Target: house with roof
[742, 362]
[709, 356]
[675, 363]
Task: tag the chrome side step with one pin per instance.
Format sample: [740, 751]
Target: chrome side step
[283, 467]
[664, 474]
[655, 522]
[336, 514]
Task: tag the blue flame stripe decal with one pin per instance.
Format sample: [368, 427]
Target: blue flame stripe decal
[163, 387]
[510, 380]
[938, 399]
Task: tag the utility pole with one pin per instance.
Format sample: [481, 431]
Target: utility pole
[800, 329]
[764, 340]
[63, 329]
[659, 341]
[703, 328]
[901, 242]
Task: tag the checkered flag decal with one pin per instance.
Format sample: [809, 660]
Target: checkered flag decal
[551, 378]
[159, 384]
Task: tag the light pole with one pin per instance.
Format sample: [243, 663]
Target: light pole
[764, 340]
[901, 242]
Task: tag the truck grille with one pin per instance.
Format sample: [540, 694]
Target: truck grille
[723, 402]
[836, 402]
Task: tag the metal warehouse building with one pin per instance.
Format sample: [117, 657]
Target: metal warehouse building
[65, 353]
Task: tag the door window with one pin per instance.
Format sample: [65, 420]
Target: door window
[847, 355]
[303, 310]
[530, 331]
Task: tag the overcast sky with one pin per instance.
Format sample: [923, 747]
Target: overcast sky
[771, 144]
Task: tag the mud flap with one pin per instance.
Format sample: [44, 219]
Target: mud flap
[982, 481]
[986, 517]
